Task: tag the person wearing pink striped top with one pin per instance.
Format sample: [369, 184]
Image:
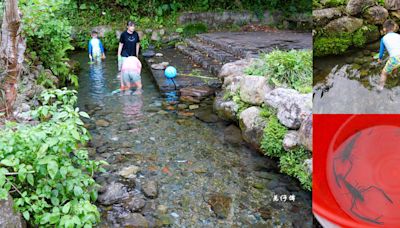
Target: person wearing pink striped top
[130, 71]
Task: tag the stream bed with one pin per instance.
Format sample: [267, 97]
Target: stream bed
[178, 170]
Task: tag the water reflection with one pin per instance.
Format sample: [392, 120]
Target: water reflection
[97, 80]
[132, 108]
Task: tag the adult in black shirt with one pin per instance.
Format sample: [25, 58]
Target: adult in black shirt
[129, 42]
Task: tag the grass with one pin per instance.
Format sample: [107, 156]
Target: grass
[291, 69]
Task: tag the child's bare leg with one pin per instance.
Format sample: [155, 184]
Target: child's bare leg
[384, 76]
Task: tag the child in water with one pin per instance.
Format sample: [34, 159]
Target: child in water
[96, 49]
[130, 75]
[391, 42]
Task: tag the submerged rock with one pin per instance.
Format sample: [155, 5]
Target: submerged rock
[129, 172]
[252, 125]
[159, 66]
[135, 220]
[233, 134]
[198, 92]
[113, 193]
[102, 123]
[221, 205]
[135, 204]
[226, 110]
[149, 189]
[206, 116]
[149, 53]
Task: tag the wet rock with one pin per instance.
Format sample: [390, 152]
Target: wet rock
[206, 116]
[322, 16]
[135, 204]
[155, 36]
[265, 213]
[252, 125]
[221, 205]
[149, 208]
[162, 209]
[125, 127]
[233, 135]
[134, 220]
[189, 100]
[253, 89]
[164, 221]
[226, 110]
[159, 66]
[198, 92]
[102, 123]
[8, 217]
[392, 4]
[234, 68]
[306, 133]
[291, 140]
[194, 106]
[159, 54]
[149, 189]
[149, 53]
[129, 172]
[376, 15]
[355, 7]
[344, 24]
[113, 193]
[102, 149]
[292, 106]
[185, 114]
[182, 106]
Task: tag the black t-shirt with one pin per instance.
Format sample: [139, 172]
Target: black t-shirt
[129, 41]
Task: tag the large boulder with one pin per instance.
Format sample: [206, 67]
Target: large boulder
[253, 89]
[102, 29]
[226, 110]
[344, 24]
[252, 125]
[392, 4]
[8, 217]
[355, 7]
[322, 17]
[234, 68]
[293, 107]
[376, 15]
[306, 133]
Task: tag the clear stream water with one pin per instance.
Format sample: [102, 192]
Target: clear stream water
[347, 84]
[198, 173]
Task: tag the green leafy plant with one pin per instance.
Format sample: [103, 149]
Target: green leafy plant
[274, 132]
[46, 169]
[193, 29]
[110, 41]
[48, 34]
[292, 69]
[292, 163]
[332, 45]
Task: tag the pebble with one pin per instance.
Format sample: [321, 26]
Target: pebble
[129, 172]
[162, 209]
[175, 215]
[192, 107]
[102, 123]
[159, 55]
[153, 139]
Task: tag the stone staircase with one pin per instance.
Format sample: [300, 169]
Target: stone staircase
[208, 53]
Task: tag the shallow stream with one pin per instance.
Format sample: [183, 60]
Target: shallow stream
[204, 175]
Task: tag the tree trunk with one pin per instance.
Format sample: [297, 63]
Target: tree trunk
[11, 54]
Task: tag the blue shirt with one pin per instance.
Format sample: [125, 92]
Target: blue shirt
[95, 47]
[391, 42]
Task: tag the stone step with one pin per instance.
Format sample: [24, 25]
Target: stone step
[211, 51]
[237, 51]
[206, 62]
